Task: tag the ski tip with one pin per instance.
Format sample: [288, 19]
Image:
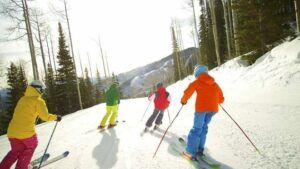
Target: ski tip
[180, 139]
[66, 153]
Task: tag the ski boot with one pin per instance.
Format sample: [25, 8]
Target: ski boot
[111, 125]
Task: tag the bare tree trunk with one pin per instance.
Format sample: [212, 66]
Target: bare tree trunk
[196, 32]
[81, 65]
[231, 32]
[90, 67]
[54, 61]
[103, 62]
[215, 30]
[234, 22]
[73, 56]
[48, 49]
[196, 57]
[107, 66]
[30, 40]
[176, 53]
[181, 47]
[41, 45]
[227, 28]
[195, 22]
[262, 44]
[297, 3]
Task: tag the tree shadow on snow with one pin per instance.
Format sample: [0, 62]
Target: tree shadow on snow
[106, 152]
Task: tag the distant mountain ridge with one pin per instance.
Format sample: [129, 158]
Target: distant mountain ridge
[140, 81]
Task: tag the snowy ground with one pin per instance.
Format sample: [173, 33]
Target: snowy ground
[263, 98]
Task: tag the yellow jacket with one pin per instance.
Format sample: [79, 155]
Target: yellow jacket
[29, 107]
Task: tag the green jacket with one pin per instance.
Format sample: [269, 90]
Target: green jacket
[112, 96]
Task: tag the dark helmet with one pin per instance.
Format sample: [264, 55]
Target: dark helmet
[159, 84]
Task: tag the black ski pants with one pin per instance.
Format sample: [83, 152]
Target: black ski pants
[158, 115]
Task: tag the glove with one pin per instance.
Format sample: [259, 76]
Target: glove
[58, 118]
[183, 103]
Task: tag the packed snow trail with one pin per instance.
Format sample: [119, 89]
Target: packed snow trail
[262, 98]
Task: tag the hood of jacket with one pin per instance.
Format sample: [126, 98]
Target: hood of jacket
[206, 78]
[31, 91]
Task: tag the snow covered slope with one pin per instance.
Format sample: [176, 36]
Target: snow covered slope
[275, 75]
[263, 98]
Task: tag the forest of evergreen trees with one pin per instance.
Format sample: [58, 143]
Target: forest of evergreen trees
[61, 95]
[231, 28]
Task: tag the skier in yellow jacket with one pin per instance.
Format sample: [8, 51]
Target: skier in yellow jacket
[21, 130]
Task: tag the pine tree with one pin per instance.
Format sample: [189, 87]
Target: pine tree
[1, 103]
[260, 24]
[22, 80]
[4, 117]
[66, 78]
[17, 82]
[16, 79]
[98, 86]
[207, 44]
[12, 78]
[220, 18]
[50, 90]
[297, 14]
[82, 87]
[88, 90]
[176, 57]
[203, 32]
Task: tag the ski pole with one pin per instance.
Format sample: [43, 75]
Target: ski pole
[166, 131]
[145, 111]
[169, 116]
[241, 130]
[48, 145]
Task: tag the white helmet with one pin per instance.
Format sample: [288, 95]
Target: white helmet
[38, 85]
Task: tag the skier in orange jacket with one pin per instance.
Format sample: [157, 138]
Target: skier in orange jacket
[209, 96]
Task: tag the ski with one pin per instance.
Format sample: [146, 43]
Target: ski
[146, 130]
[38, 160]
[210, 163]
[117, 122]
[50, 161]
[204, 159]
[158, 129]
[151, 131]
[178, 148]
[107, 128]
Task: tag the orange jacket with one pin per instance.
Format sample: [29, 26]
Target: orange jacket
[209, 94]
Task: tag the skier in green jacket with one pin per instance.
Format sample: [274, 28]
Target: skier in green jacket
[112, 100]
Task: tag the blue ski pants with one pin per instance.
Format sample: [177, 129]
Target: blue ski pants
[197, 135]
